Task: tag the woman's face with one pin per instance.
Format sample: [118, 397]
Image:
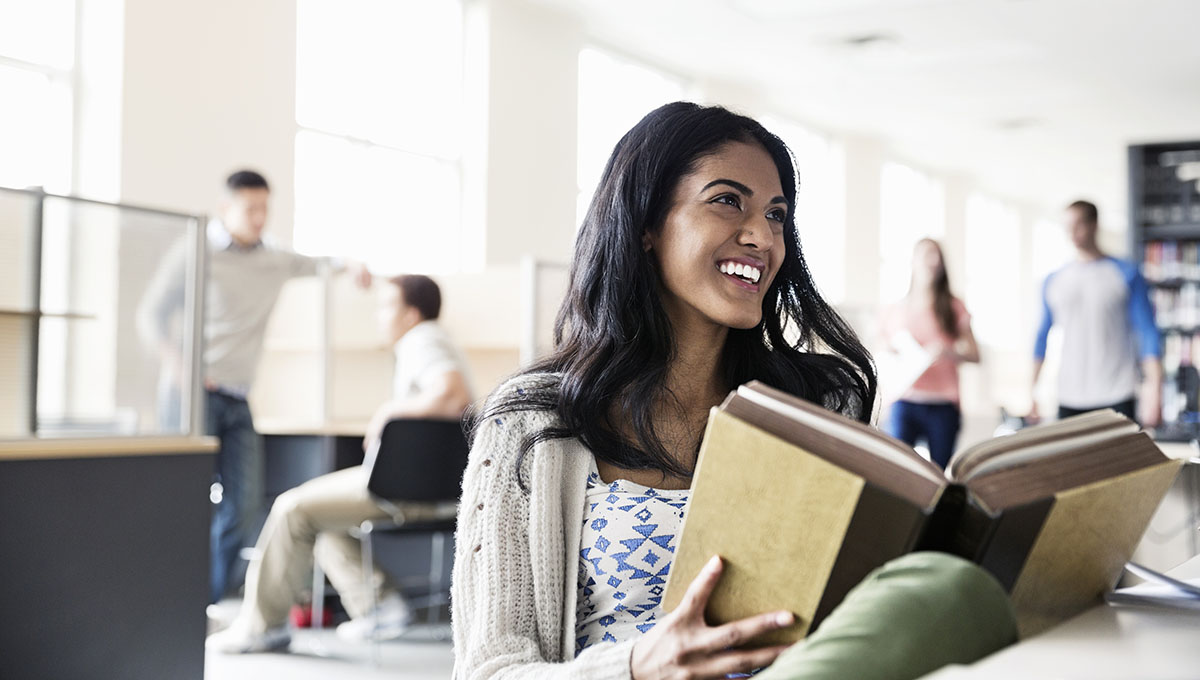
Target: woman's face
[927, 260]
[722, 244]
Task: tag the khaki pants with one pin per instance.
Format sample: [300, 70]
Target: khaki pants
[312, 521]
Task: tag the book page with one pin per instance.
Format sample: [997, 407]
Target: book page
[898, 370]
[1073, 468]
[1034, 451]
[1038, 442]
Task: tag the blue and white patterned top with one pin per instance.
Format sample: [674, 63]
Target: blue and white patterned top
[626, 550]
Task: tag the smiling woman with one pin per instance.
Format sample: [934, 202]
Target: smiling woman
[687, 190]
[687, 271]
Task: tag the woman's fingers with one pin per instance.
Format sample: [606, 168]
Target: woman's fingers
[696, 598]
[740, 661]
[739, 632]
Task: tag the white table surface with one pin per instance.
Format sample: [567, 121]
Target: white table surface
[1107, 642]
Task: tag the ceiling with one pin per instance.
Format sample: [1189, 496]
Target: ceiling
[1035, 100]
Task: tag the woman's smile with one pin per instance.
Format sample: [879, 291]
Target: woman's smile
[743, 272]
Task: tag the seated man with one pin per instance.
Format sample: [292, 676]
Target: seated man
[312, 520]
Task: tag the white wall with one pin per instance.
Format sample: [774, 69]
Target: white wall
[531, 151]
[209, 87]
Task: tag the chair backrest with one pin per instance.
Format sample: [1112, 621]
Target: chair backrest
[419, 460]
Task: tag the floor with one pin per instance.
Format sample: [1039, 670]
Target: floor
[424, 653]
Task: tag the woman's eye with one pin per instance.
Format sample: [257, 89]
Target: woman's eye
[779, 216]
[728, 199]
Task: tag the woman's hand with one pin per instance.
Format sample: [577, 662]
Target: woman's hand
[683, 647]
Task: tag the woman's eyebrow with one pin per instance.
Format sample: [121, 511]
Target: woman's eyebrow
[733, 183]
[740, 187]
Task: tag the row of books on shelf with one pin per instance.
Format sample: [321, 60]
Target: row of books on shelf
[1181, 385]
[1177, 307]
[1180, 349]
[1170, 190]
[1172, 213]
[1170, 260]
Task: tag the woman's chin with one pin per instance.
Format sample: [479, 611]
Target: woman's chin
[742, 321]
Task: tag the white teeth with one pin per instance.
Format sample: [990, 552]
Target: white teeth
[748, 272]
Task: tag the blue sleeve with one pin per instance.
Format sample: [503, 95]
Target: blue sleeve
[1043, 331]
[1141, 312]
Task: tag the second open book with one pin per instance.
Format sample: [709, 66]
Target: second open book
[802, 503]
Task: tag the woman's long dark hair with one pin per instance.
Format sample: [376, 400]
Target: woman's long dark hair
[943, 299]
[613, 340]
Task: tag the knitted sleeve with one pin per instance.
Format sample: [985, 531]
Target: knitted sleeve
[498, 630]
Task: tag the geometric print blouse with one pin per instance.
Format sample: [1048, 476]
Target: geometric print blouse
[626, 550]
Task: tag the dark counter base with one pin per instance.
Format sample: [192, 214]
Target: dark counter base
[104, 567]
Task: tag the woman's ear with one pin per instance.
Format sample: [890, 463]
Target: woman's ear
[647, 243]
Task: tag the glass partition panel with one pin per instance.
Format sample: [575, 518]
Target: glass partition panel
[114, 350]
[99, 330]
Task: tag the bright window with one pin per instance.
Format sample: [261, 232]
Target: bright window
[993, 290]
[820, 217]
[1051, 249]
[379, 95]
[614, 94]
[37, 60]
[912, 207]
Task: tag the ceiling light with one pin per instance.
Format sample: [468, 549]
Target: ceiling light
[869, 40]
[1017, 124]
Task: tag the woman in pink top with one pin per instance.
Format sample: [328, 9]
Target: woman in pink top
[931, 329]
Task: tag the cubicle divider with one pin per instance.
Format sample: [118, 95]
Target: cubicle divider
[104, 479]
[90, 357]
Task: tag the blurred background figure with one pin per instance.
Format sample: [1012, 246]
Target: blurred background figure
[926, 334]
[1103, 307]
[313, 521]
[245, 276]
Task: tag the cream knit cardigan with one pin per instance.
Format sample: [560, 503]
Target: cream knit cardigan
[516, 560]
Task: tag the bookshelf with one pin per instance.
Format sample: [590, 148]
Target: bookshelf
[1164, 219]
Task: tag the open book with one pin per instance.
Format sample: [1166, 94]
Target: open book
[803, 503]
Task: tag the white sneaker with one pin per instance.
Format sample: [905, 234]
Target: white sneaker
[238, 639]
[389, 621]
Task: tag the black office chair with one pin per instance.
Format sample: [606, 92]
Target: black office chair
[414, 461]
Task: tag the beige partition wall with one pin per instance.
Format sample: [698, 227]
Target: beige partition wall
[16, 308]
[328, 365]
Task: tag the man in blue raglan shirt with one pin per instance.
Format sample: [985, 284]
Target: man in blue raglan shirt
[1102, 307]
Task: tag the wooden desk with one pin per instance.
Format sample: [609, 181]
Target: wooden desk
[1104, 643]
[337, 428]
[104, 557]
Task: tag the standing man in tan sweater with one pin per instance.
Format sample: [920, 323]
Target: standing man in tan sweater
[245, 276]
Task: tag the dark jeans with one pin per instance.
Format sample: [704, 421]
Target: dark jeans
[937, 423]
[1126, 408]
[240, 473]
